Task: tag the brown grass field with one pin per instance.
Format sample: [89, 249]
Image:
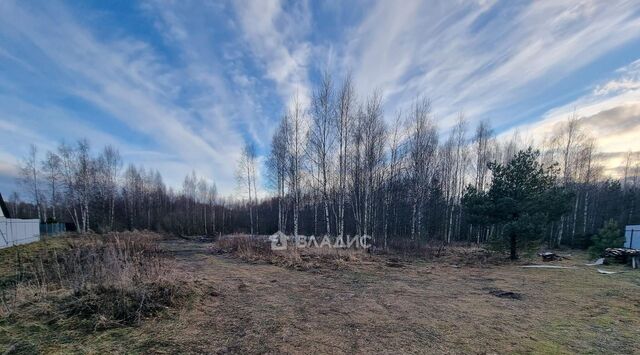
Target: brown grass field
[355, 304]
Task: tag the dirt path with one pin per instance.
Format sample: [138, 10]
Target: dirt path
[372, 308]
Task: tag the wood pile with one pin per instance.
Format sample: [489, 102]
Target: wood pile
[623, 255]
[620, 252]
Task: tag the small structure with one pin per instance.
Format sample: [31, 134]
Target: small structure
[632, 236]
[623, 255]
[15, 231]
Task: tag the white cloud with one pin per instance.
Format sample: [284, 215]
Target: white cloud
[128, 80]
[479, 57]
[8, 165]
[629, 80]
[275, 37]
[618, 85]
[197, 108]
[612, 116]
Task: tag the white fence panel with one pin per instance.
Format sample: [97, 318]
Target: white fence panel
[18, 231]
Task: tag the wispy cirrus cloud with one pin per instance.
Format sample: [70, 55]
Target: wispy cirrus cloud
[128, 80]
[610, 112]
[181, 85]
[481, 57]
[276, 34]
[629, 79]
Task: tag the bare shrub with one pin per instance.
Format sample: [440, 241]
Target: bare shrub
[111, 280]
[107, 306]
[256, 249]
[247, 247]
[441, 252]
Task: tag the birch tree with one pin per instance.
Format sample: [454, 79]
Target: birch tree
[30, 179]
[132, 194]
[277, 167]
[212, 196]
[422, 148]
[84, 181]
[296, 151]
[203, 199]
[51, 171]
[321, 140]
[113, 164]
[482, 150]
[374, 138]
[68, 173]
[456, 178]
[246, 176]
[567, 141]
[344, 114]
[395, 164]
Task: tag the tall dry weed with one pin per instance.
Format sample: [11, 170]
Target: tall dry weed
[114, 279]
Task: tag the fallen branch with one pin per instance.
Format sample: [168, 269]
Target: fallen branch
[548, 267]
[609, 272]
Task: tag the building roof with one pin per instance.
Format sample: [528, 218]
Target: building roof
[4, 211]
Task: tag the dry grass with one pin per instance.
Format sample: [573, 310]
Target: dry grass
[439, 252]
[242, 245]
[317, 258]
[258, 249]
[421, 307]
[89, 282]
[368, 305]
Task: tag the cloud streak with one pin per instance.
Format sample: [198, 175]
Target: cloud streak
[182, 85]
[480, 57]
[128, 81]
[610, 112]
[276, 38]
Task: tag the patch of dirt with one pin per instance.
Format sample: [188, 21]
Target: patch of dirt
[505, 294]
[394, 262]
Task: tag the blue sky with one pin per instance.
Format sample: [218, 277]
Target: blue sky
[180, 85]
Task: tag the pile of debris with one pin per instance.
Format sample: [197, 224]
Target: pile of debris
[551, 256]
[623, 255]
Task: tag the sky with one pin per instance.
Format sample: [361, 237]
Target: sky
[179, 86]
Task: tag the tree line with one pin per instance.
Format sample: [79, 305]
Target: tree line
[93, 191]
[339, 167]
